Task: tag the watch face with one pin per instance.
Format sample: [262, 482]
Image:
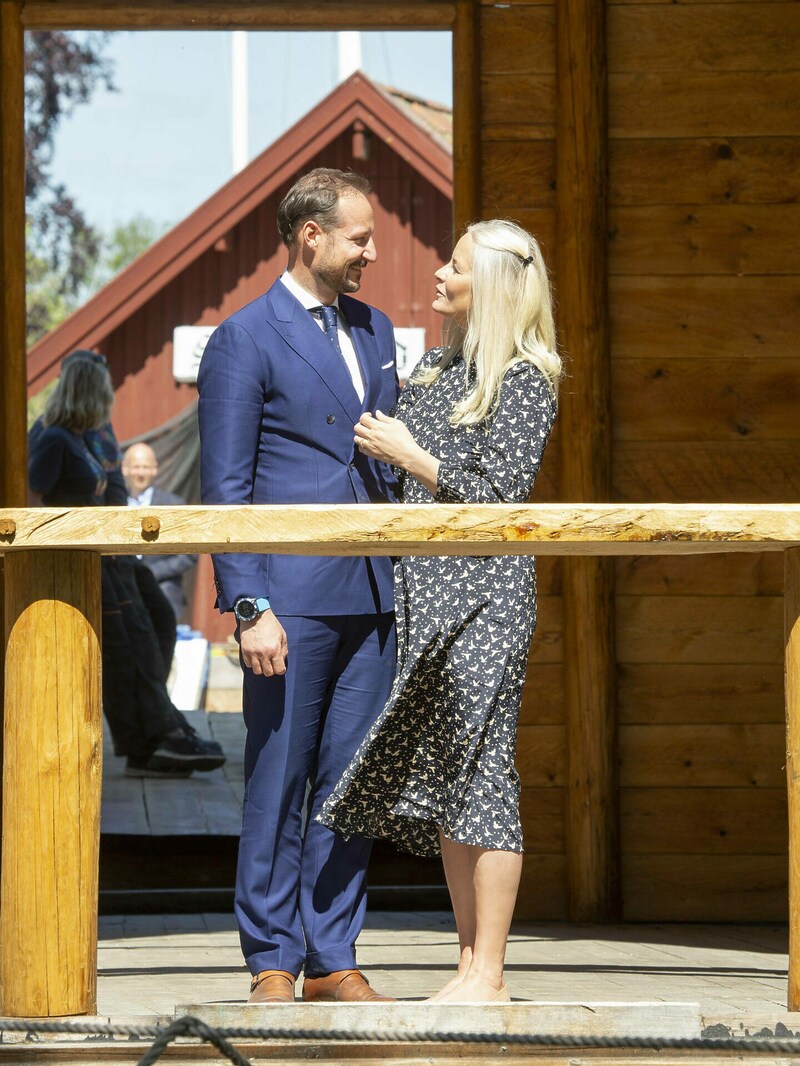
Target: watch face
[246, 610]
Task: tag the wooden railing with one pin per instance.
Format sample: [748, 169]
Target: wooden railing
[53, 723]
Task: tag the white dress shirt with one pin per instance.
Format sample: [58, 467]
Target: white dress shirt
[144, 499]
[343, 330]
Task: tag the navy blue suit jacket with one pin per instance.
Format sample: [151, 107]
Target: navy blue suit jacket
[277, 409]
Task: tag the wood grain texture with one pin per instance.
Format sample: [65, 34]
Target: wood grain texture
[705, 239]
[518, 175]
[234, 14]
[696, 694]
[585, 422]
[699, 629]
[705, 888]
[525, 100]
[653, 172]
[750, 472]
[542, 811]
[400, 529]
[13, 428]
[543, 693]
[678, 103]
[541, 756]
[704, 170]
[52, 774]
[701, 756]
[730, 575]
[696, 399]
[519, 40]
[750, 318]
[703, 821]
[543, 894]
[792, 669]
[467, 144]
[742, 36]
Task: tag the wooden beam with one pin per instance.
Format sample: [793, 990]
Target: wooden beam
[791, 600]
[52, 772]
[239, 14]
[466, 116]
[13, 395]
[399, 529]
[581, 283]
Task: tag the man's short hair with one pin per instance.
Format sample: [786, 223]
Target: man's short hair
[316, 196]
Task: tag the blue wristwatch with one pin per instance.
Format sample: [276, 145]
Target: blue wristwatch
[248, 609]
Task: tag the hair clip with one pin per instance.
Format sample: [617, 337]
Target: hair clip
[527, 261]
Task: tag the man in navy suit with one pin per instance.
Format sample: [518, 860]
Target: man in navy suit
[282, 383]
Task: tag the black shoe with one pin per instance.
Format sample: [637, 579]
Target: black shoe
[210, 746]
[186, 751]
[142, 767]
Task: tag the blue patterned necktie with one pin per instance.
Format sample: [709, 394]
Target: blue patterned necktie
[328, 315]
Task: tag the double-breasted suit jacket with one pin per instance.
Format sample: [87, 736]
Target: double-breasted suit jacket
[277, 410]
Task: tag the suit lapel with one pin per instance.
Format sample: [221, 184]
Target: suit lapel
[306, 339]
[366, 349]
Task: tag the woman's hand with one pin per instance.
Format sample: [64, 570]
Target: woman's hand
[386, 439]
[391, 441]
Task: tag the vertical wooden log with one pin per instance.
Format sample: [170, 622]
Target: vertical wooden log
[791, 599]
[13, 422]
[466, 116]
[585, 432]
[52, 772]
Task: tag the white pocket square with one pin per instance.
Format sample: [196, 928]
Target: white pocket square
[387, 365]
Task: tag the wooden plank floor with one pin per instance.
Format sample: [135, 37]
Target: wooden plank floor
[200, 805]
[203, 804]
[734, 975]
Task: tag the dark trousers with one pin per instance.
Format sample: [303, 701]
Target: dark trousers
[136, 703]
[300, 887]
[161, 612]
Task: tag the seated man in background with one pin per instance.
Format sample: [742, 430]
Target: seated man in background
[140, 468]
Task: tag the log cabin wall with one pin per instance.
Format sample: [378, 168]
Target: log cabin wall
[518, 82]
[703, 258]
[704, 142]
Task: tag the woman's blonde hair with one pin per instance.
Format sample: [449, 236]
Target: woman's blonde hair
[510, 319]
[82, 399]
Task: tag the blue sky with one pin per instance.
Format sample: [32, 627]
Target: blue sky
[161, 144]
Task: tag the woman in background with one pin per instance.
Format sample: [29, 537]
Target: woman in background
[436, 772]
[65, 471]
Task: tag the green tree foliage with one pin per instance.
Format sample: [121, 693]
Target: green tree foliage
[62, 70]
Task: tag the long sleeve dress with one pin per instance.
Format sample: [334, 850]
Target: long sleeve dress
[441, 753]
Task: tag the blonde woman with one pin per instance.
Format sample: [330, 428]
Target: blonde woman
[436, 772]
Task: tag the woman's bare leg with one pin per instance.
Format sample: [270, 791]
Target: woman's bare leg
[494, 886]
[459, 868]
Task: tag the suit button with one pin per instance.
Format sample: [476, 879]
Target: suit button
[330, 419]
[352, 466]
[391, 412]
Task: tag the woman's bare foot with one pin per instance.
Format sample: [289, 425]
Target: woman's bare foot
[454, 982]
[463, 969]
[475, 988]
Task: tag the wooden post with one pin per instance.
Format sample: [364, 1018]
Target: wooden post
[585, 433]
[52, 772]
[466, 116]
[13, 423]
[791, 599]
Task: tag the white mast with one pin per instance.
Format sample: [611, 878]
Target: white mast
[349, 53]
[239, 136]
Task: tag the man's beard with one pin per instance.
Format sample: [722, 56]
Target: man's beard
[338, 280]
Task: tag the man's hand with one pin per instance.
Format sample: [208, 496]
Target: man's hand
[264, 646]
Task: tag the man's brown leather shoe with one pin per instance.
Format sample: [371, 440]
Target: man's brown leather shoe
[341, 986]
[272, 986]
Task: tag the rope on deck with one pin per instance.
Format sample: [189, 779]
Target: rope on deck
[189, 1026]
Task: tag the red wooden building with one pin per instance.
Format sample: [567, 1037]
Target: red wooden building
[227, 252]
